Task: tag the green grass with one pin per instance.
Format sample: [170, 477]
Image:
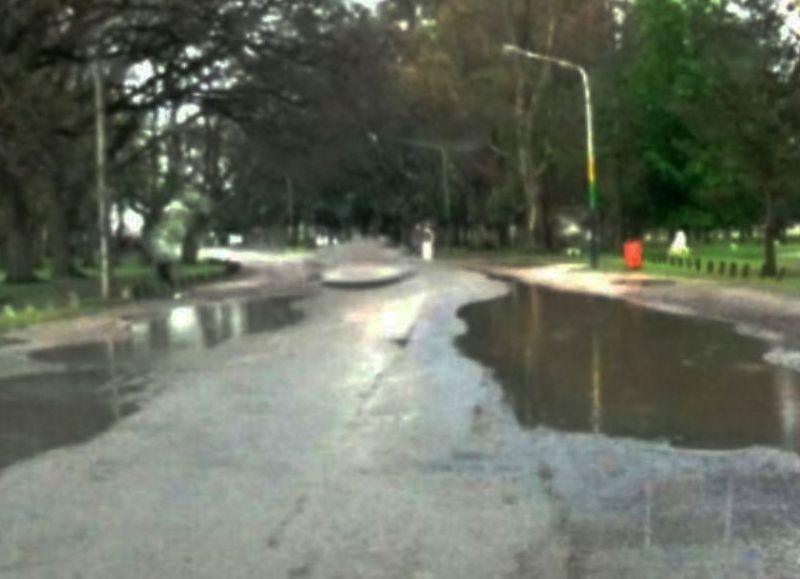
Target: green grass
[788, 256]
[23, 305]
[750, 253]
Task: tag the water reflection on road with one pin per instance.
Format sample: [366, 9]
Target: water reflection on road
[91, 385]
[590, 364]
[185, 327]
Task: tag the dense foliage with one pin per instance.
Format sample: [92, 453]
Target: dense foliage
[243, 115]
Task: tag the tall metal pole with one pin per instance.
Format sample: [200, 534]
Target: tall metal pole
[591, 163]
[102, 189]
[591, 167]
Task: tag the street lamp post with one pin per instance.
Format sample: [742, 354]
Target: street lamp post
[591, 167]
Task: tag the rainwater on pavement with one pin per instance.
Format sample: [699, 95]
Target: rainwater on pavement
[580, 363]
[87, 387]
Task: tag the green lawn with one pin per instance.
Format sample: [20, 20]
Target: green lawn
[47, 299]
[788, 254]
[788, 257]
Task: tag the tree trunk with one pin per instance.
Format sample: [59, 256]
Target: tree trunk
[175, 158]
[85, 252]
[770, 268]
[544, 233]
[19, 261]
[19, 256]
[190, 248]
[58, 238]
[526, 107]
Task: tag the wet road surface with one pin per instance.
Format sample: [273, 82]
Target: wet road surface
[583, 363]
[92, 385]
[358, 444]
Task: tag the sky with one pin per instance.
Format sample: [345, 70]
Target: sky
[793, 20]
[367, 3]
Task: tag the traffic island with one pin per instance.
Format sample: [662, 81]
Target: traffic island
[365, 276]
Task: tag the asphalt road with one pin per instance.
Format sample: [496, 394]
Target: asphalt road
[358, 443]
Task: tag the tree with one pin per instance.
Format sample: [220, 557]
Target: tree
[708, 94]
[749, 139]
[172, 55]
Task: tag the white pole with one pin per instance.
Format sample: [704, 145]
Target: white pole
[102, 190]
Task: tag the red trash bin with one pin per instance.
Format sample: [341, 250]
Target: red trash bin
[634, 254]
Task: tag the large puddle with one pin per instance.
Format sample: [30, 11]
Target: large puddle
[590, 364]
[90, 386]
